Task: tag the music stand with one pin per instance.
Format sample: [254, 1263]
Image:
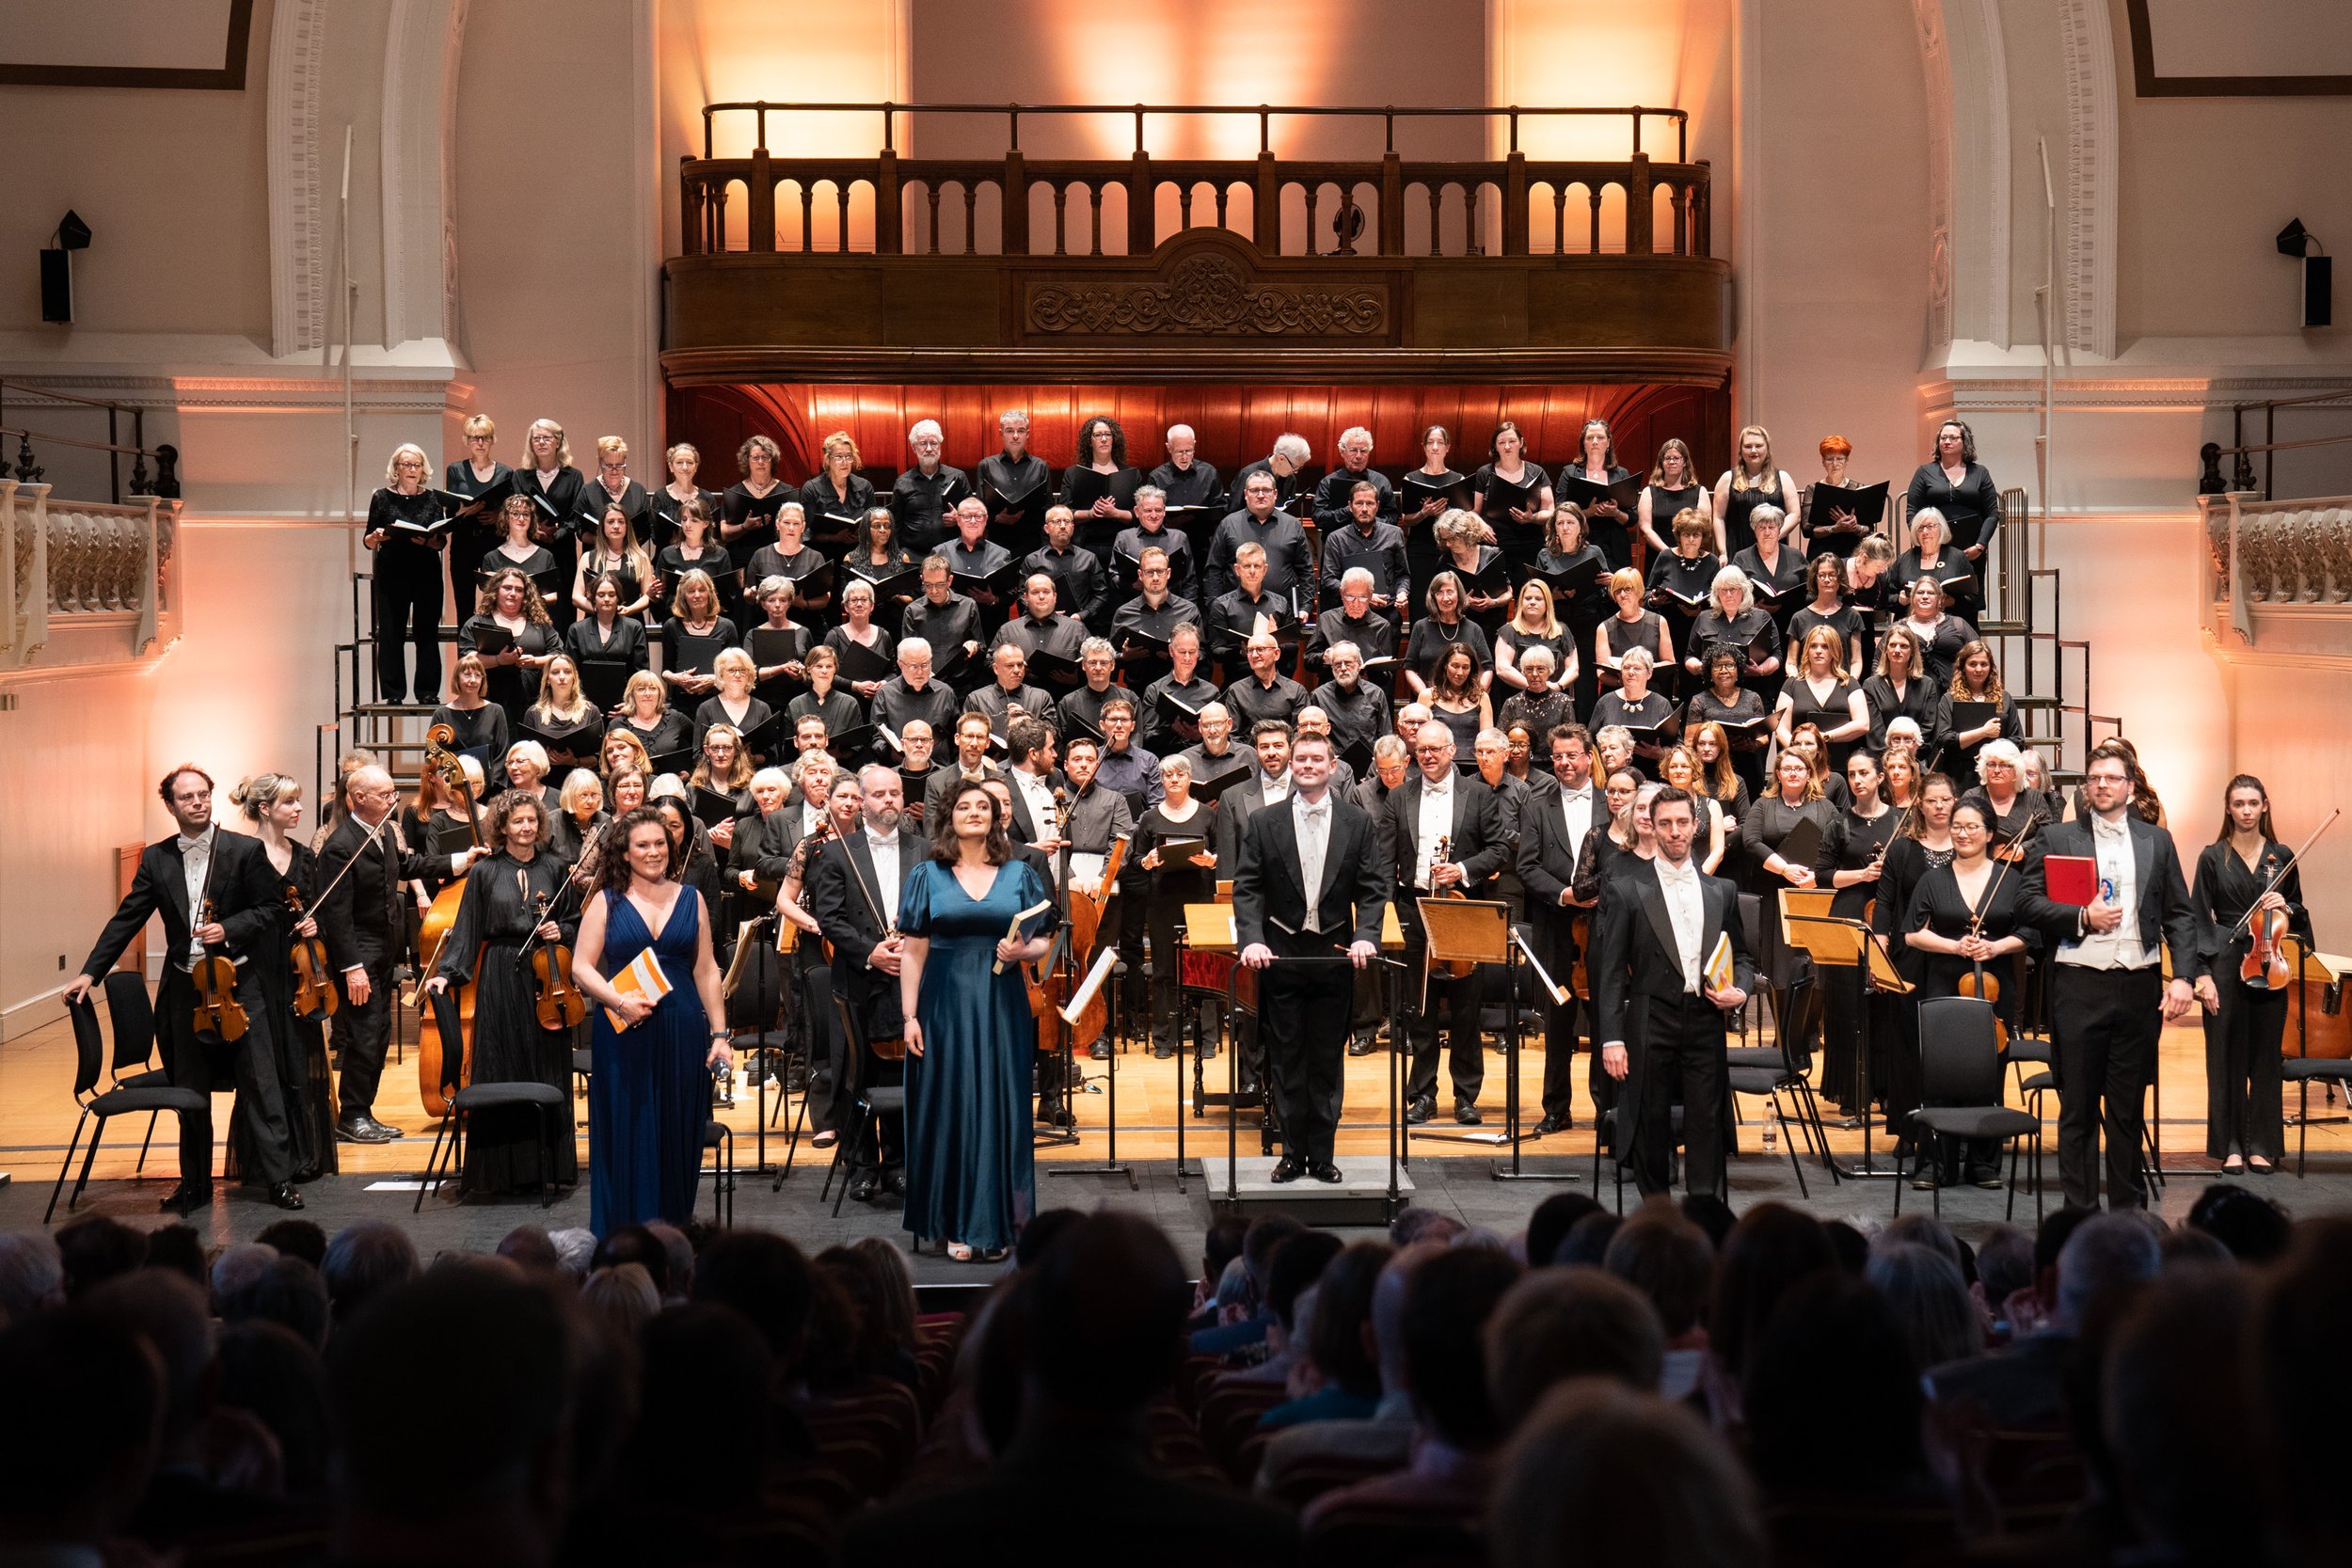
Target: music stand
[1060, 962]
[1478, 931]
[1835, 942]
[1112, 1165]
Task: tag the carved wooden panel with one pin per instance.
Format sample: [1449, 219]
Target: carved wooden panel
[1208, 294]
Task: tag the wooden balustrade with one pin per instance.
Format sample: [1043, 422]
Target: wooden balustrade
[84, 582]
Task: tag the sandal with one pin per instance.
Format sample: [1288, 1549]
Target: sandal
[960, 1251]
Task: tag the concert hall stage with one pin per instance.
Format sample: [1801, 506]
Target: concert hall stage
[1455, 1176]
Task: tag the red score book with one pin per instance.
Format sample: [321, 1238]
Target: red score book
[2071, 878]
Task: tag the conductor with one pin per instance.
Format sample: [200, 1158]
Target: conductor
[1658, 1014]
[1312, 875]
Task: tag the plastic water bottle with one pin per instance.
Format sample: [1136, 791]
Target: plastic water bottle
[1772, 1135]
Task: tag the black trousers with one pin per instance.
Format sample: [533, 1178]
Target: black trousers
[408, 609]
[251, 1063]
[2242, 1047]
[361, 1033]
[1305, 1009]
[1560, 1031]
[1682, 1064]
[1466, 1051]
[2106, 1023]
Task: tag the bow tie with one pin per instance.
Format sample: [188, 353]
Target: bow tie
[1584, 794]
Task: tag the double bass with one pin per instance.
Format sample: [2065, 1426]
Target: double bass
[1050, 984]
[434, 933]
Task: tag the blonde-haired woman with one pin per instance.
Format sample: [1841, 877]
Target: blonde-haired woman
[623, 750]
[478, 725]
[835, 497]
[401, 530]
[733, 702]
[1534, 624]
[694, 636]
[554, 488]
[645, 713]
[1818, 692]
[747, 508]
[563, 719]
[510, 630]
[1752, 477]
[611, 485]
[475, 533]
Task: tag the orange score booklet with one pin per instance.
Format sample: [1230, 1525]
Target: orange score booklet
[642, 977]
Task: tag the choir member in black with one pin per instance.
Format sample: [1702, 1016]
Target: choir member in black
[477, 473]
[913, 694]
[1934, 555]
[1831, 526]
[1513, 494]
[1284, 464]
[858, 626]
[219, 895]
[1674, 488]
[614, 551]
[524, 771]
[510, 612]
[779, 645]
[565, 721]
[972, 554]
[1806, 740]
[1244, 611]
[1082, 705]
[1429, 492]
[1635, 708]
[1164, 732]
[1439, 631]
[2109, 997]
[1597, 461]
[1016, 486]
[1214, 756]
[1041, 628]
[826, 699]
[1456, 698]
[407, 577]
[2238, 874]
[1736, 712]
[624, 783]
[1902, 687]
[1717, 831]
[1752, 480]
[273, 804]
[1871, 587]
[692, 635]
[1941, 635]
[1122, 764]
[790, 559]
[1553, 839]
[1775, 570]
[1968, 918]
[922, 496]
[1630, 627]
[724, 768]
[1733, 621]
[1796, 797]
[878, 554]
[1852, 863]
[1620, 838]
[1828, 607]
[647, 714]
[1922, 842]
[436, 820]
[554, 488]
[1719, 778]
[363, 917]
[680, 493]
[1580, 607]
[1195, 500]
[579, 821]
[1151, 618]
[1818, 692]
[698, 864]
[836, 497]
[1175, 881]
[1956, 484]
[517, 549]
[747, 508]
[1333, 505]
[914, 765]
[764, 840]
[1011, 690]
[610, 487]
[1357, 708]
[1352, 620]
[1533, 625]
[1466, 548]
[1154, 530]
[1432, 804]
[696, 549]
[506, 914]
[1264, 692]
[733, 702]
[478, 725]
[1540, 706]
[1363, 538]
[1658, 1016]
[851, 890]
[1290, 571]
[2014, 812]
[1082, 577]
[1976, 678]
[1099, 486]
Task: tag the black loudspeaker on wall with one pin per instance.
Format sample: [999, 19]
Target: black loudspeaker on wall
[56, 285]
[2319, 291]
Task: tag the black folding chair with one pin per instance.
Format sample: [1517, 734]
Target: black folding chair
[549, 1103]
[142, 1092]
[874, 1102]
[1960, 1091]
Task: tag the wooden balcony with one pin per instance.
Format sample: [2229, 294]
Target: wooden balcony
[84, 582]
[889, 267]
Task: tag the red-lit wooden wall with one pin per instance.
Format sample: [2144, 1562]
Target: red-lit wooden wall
[1237, 423]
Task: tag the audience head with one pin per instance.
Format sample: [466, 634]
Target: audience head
[1930, 1300]
[2178, 1404]
[1669, 1260]
[2305, 1386]
[1042, 1232]
[1297, 1265]
[635, 1244]
[270, 1373]
[703, 1375]
[1423, 1225]
[170, 1312]
[94, 1249]
[621, 1299]
[1341, 1342]
[532, 1249]
[2107, 1258]
[364, 1262]
[2255, 1229]
[179, 1248]
[288, 1292]
[72, 1473]
[770, 1281]
[1767, 1252]
[1796, 1414]
[1104, 1317]
[1587, 1241]
[1549, 1224]
[1568, 1323]
[301, 1238]
[32, 1275]
[1448, 1302]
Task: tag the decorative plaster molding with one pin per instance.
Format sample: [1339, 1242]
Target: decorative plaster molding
[2010, 394]
[2092, 195]
[1936, 84]
[1963, 65]
[297, 241]
[419, 392]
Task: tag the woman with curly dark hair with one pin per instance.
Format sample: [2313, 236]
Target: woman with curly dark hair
[1099, 486]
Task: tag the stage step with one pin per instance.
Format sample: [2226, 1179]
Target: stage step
[1360, 1196]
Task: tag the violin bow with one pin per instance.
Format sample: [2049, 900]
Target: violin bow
[2246, 921]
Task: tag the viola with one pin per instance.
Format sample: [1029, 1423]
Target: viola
[554, 998]
[219, 1016]
[315, 996]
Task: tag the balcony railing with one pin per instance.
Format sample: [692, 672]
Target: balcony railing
[84, 582]
[890, 205]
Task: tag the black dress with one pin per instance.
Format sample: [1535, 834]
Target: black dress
[671, 565]
[1851, 844]
[1665, 507]
[1805, 706]
[1942, 646]
[1960, 761]
[1747, 742]
[1846, 621]
[512, 687]
[299, 1044]
[1752, 628]
[684, 650]
[1614, 536]
[570, 742]
[1519, 541]
[1919, 701]
[671, 733]
[1172, 888]
[738, 506]
[1432, 639]
[606, 660]
[512, 1149]
[1972, 507]
[555, 511]
[1938, 905]
[2243, 1040]
[1908, 864]
[480, 734]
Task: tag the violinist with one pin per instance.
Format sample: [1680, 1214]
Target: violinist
[176, 877]
[273, 803]
[1968, 918]
[2239, 876]
[853, 887]
[1850, 864]
[516, 902]
[580, 822]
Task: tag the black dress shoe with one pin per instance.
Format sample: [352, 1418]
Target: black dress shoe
[285, 1196]
[385, 1131]
[1364, 1045]
[1420, 1111]
[352, 1131]
[863, 1186]
[1323, 1170]
[186, 1196]
[1289, 1168]
[1550, 1125]
[894, 1181]
[1468, 1114]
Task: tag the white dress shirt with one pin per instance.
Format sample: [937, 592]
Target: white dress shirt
[1687, 913]
[196, 865]
[1436, 822]
[1040, 795]
[1312, 826]
[2119, 884]
[1272, 790]
[1576, 811]
[885, 852]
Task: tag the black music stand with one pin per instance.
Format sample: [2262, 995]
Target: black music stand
[1837, 942]
[1057, 961]
[1096, 979]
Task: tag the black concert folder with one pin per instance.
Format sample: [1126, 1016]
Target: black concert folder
[602, 681]
[1803, 846]
[1580, 578]
[811, 585]
[1744, 732]
[1174, 709]
[680, 761]
[712, 808]
[1176, 853]
[1359, 757]
[746, 507]
[1493, 577]
[1973, 716]
[999, 583]
[539, 500]
[771, 646]
[561, 742]
[1212, 790]
[1626, 492]
[1773, 600]
[1866, 502]
[1087, 486]
[439, 524]
[1135, 642]
[913, 784]
[1419, 489]
[862, 663]
[852, 743]
[1053, 670]
[766, 738]
[450, 836]
[887, 584]
[999, 502]
[1072, 727]
[490, 640]
[1378, 664]
[1660, 734]
[1502, 497]
[1664, 594]
[488, 503]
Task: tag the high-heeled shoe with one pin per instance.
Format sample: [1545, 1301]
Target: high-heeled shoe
[960, 1251]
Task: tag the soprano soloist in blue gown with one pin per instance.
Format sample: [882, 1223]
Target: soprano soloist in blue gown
[649, 1095]
[969, 1175]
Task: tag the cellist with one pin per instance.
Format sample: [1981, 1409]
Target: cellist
[2238, 874]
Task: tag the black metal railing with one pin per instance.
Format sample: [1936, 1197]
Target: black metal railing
[164, 483]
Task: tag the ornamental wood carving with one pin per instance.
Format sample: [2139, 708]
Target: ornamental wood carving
[1209, 297]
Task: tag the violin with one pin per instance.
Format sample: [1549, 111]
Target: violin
[2265, 966]
[219, 1016]
[1979, 982]
[1460, 969]
[554, 998]
[2013, 852]
[315, 996]
[787, 934]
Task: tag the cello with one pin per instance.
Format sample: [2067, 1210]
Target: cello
[434, 933]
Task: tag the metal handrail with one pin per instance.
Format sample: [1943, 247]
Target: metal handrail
[167, 457]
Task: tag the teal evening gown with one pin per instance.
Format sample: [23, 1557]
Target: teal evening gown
[649, 1091]
[969, 1177]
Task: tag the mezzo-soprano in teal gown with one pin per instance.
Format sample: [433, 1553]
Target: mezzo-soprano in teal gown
[969, 1174]
[649, 1092]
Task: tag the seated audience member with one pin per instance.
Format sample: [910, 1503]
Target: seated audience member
[1603, 1473]
[70, 1479]
[1772, 1248]
[94, 1249]
[2305, 1388]
[1338, 1351]
[1293, 1270]
[288, 1292]
[2024, 1385]
[1549, 1224]
[1568, 1323]
[1447, 1306]
[1101, 1333]
[1924, 1288]
[272, 1375]
[1587, 1241]
[301, 1238]
[1258, 1246]
[32, 1275]
[1384, 1439]
[363, 1261]
[1219, 1248]
[1671, 1262]
[2177, 1405]
[2255, 1229]
[1795, 1414]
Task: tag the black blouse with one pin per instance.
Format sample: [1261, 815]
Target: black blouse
[1938, 905]
[1972, 507]
[2226, 888]
[1851, 844]
[684, 651]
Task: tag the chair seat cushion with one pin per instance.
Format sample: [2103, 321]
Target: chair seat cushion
[714, 1134]
[153, 1078]
[1753, 1055]
[1976, 1122]
[887, 1097]
[583, 1062]
[475, 1097]
[2024, 1048]
[2305, 1069]
[1756, 1080]
[2039, 1082]
[149, 1097]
